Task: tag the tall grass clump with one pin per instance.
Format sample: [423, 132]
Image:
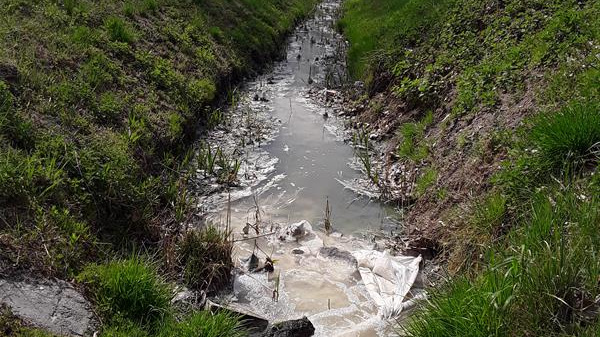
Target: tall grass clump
[570, 138]
[562, 145]
[118, 30]
[206, 324]
[194, 324]
[129, 289]
[484, 226]
[543, 283]
[411, 137]
[425, 181]
[206, 259]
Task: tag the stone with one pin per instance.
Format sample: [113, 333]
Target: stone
[336, 253]
[54, 306]
[295, 231]
[186, 300]
[250, 321]
[294, 328]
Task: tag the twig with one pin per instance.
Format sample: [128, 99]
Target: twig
[255, 237]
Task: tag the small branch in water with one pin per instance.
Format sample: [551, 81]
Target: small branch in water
[254, 237]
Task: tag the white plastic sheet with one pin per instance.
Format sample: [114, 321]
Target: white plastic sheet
[387, 278]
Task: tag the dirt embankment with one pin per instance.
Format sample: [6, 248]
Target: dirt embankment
[448, 88]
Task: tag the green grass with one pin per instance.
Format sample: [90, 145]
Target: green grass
[411, 134]
[559, 145]
[194, 324]
[101, 115]
[568, 139]
[426, 180]
[489, 48]
[205, 324]
[532, 287]
[135, 301]
[372, 25]
[129, 289]
[524, 257]
[119, 31]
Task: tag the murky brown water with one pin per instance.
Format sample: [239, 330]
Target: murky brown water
[301, 163]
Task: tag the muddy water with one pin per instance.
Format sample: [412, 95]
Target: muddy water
[293, 160]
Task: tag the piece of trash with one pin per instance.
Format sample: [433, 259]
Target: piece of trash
[388, 278]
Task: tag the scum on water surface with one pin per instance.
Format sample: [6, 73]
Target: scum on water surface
[286, 143]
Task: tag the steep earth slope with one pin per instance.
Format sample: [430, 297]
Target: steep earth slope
[487, 113]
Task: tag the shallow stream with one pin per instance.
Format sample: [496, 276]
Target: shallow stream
[293, 161]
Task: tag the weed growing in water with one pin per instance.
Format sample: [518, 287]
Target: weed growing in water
[362, 151]
[327, 219]
[228, 165]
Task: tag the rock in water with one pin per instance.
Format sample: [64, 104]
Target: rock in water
[250, 321]
[53, 306]
[186, 300]
[294, 328]
[295, 231]
[336, 253]
[251, 263]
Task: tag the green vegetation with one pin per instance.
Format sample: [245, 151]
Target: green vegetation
[196, 324]
[425, 180]
[570, 138]
[129, 289]
[549, 262]
[471, 50]
[524, 261]
[363, 151]
[136, 301]
[411, 134]
[205, 324]
[374, 25]
[99, 104]
[99, 101]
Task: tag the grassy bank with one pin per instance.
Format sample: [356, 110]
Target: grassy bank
[494, 107]
[99, 102]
